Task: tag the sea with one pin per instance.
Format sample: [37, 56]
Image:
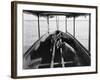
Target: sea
[31, 29]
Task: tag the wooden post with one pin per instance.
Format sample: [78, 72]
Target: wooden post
[57, 23]
[89, 40]
[66, 24]
[74, 26]
[38, 26]
[48, 22]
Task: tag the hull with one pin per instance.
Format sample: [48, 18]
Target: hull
[58, 49]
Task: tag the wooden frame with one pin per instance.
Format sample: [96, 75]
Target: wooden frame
[15, 39]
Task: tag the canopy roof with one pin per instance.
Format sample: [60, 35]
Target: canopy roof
[52, 13]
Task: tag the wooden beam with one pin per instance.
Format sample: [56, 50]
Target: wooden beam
[53, 55]
[62, 58]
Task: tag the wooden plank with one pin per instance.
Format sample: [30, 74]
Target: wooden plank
[53, 54]
[62, 59]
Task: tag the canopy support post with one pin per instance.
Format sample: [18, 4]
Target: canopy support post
[38, 26]
[89, 40]
[66, 24]
[48, 22]
[74, 26]
[57, 22]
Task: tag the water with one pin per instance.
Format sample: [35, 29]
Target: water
[30, 31]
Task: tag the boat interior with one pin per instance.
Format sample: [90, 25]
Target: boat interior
[57, 49]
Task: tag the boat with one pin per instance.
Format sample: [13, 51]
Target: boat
[56, 50]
